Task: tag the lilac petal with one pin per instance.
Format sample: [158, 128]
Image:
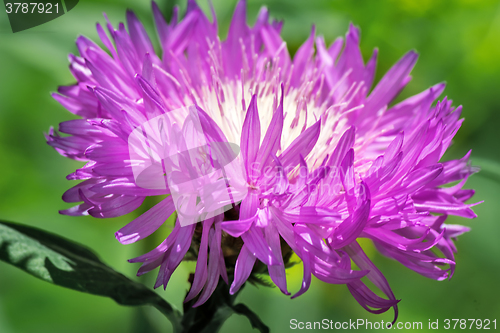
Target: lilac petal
[420, 177]
[332, 274]
[369, 72]
[111, 102]
[152, 263]
[262, 20]
[301, 146]
[272, 139]
[155, 257]
[376, 164]
[163, 272]
[152, 100]
[105, 40]
[307, 240]
[464, 195]
[368, 299]
[126, 51]
[238, 228]
[238, 31]
[422, 263]
[322, 53]
[386, 172]
[454, 170]
[80, 127]
[71, 146]
[113, 127]
[412, 150]
[73, 194]
[392, 82]
[454, 230]
[390, 205]
[212, 131]
[311, 214]
[302, 59]
[222, 262]
[306, 280]
[276, 272]
[375, 276]
[162, 27]
[107, 73]
[80, 210]
[81, 107]
[347, 179]
[440, 202]
[250, 136]
[394, 147]
[160, 250]
[223, 268]
[398, 116]
[345, 143]
[84, 44]
[243, 268]
[113, 169]
[138, 35]
[181, 35]
[382, 174]
[249, 206]
[351, 58]
[117, 206]
[82, 173]
[257, 245]
[456, 190]
[275, 46]
[280, 180]
[148, 71]
[174, 255]
[335, 47]
[413, 102]
[79, 69]
[147, 223]
[108, 151]
[284, 228]
[351, 227]
[347, 171]
[200, 274]
[213, 266]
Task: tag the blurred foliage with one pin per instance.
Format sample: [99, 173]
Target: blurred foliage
[458, 42]
[65, 263]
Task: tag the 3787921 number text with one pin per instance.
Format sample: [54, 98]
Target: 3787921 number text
[31, 8]
[480, 324]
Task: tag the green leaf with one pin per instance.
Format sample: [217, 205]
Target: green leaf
[65, 263]
[71, 265]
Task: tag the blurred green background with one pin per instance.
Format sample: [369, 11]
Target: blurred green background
[458, 42]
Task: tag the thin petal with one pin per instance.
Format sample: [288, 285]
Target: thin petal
[147, 223]
[250, 135]
[243, 268]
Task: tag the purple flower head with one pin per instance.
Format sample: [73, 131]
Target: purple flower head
[264, 155]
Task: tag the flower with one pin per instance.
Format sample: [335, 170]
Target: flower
[324, 159]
